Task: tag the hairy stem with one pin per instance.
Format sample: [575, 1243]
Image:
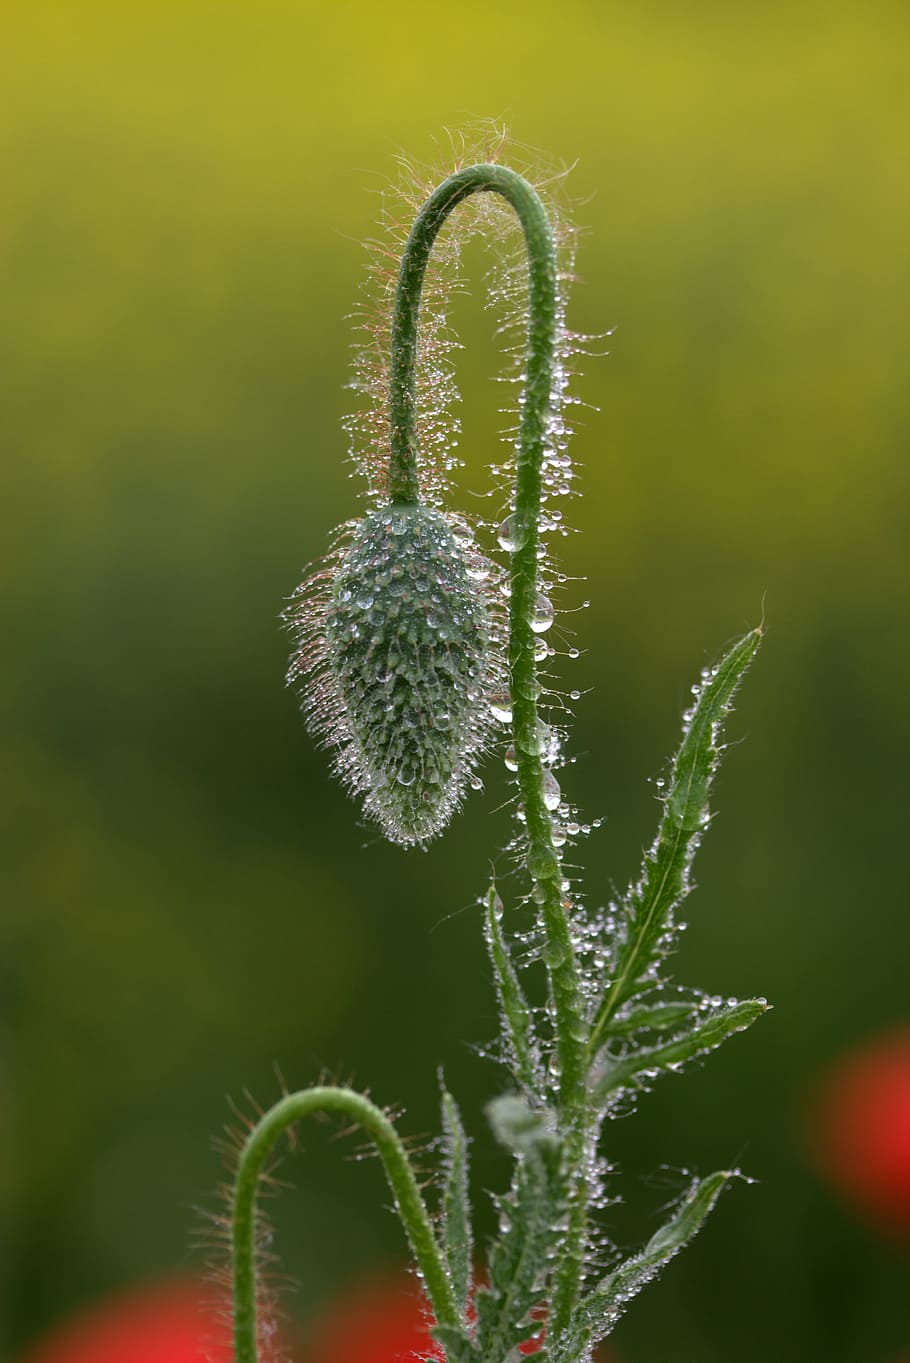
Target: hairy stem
[409, 1202]
[543, 859]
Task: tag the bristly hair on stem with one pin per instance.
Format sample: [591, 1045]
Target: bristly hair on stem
[408, 661]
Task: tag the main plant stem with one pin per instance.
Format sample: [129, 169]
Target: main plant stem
[542, 857]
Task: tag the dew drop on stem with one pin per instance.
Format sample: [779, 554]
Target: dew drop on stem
[542, 615]
[512, 533]
[551, 791]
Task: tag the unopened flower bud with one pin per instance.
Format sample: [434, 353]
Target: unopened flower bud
[396, 649]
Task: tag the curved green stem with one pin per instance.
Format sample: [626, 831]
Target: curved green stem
[543, 859]
[410, 1204]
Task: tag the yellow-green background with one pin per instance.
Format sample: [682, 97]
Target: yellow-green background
[186, 896]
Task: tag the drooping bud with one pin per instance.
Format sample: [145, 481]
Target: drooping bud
[395, 647]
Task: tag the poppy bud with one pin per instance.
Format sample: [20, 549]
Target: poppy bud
[395, 651]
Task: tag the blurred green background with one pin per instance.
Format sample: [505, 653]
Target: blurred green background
[187, 898]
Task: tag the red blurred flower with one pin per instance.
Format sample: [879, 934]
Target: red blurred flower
[381, 1322]
[861, 1129]
[377, 1323]
[164, 1324]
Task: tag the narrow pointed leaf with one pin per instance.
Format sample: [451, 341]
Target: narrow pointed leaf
[664, 882]
[621, 1072]
[655, 1017]
[520, 1043]
[599, 1311]
[530, 1216]
[458, 1241]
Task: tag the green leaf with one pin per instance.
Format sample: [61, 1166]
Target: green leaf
[457, 1347]
[653, 1017]
[618, 1073]
[599, 1311]
[458, 1241]
[517, 1025]
[530, 1218]
[647, 932]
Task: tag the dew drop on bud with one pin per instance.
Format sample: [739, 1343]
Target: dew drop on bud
[462, 533]
[501, 707]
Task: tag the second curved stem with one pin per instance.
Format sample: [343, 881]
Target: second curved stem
[408, 1199]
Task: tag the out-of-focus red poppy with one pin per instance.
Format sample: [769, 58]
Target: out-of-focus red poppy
[377, 1323]
[861, 1130]
[381, 1322]
[164, 1324]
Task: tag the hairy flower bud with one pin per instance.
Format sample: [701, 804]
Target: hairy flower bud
[396, 649]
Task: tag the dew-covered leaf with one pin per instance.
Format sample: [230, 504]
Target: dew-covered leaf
[645, 928]
[600, 1309]
[651, 1017]
[520, 1043]
[458, 1240]
[531, 1216]
[613, 1074]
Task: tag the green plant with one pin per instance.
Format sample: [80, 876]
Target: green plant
[407, 665]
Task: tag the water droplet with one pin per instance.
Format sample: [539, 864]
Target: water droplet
[538, 741]
[551, 792]
[558, 835]
[510, 757]
[476, 783]
[512, 533]
[541, 650]
[541, 615]
[554, 954]
[462, 532]
[501, 707]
